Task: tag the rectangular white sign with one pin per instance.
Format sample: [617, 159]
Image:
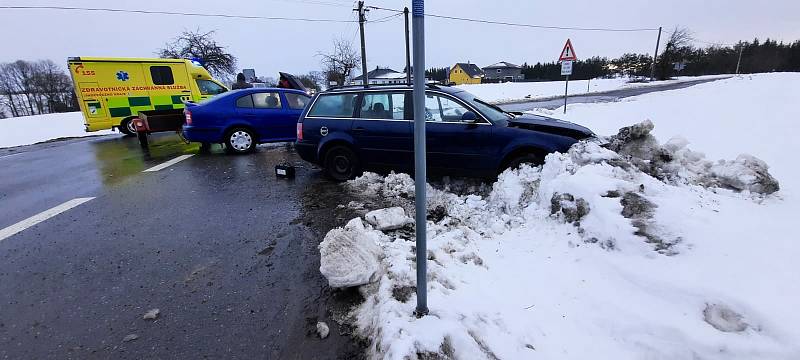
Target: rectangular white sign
[566, 68]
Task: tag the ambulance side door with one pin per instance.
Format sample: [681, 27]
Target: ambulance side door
[169, 85]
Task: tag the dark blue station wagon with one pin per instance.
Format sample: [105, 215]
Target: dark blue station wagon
[346, 130]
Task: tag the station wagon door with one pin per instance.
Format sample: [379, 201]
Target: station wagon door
[452, 144]
[382, 129]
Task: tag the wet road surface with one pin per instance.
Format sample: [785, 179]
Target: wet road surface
[226, 252]
[607, 96]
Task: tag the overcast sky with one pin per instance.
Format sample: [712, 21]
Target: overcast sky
[272, 46]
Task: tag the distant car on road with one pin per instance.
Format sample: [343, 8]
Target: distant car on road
[240, 119]
[349, 129]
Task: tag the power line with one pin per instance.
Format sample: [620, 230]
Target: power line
[384, 19]
[539, 26]
[495, 22]
[228, 16]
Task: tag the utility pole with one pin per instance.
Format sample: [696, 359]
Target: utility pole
[420, 176]
[408, 51]
[655, 56]
[739, 62]
[361, 19]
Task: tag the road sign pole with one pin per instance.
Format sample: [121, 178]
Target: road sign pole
[566, 91]
[420, 176]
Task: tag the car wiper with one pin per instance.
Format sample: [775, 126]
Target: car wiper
[493, 106]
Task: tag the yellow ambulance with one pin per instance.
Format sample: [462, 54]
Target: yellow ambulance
[112, 91]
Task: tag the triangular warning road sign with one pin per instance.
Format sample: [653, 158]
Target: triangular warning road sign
[568, 53]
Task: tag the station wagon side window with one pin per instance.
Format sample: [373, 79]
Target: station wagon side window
[208, 87]
[383, 105]
[267, 100]
[296, 101]
[440, 108]
[161, 75]
[334, 105]
[245, 102]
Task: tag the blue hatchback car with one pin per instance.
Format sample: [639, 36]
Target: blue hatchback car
[346, 130]
[240, 119]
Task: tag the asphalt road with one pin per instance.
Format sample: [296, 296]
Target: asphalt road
[606, 96]
[225, 250]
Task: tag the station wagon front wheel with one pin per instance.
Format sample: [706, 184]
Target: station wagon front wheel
[240, 141]
[341, 163]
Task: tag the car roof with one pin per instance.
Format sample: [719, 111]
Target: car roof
[391, 87]
[266, 89]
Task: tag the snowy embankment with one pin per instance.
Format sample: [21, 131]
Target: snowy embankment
[520, 91]
[26, 130]
[640, 248]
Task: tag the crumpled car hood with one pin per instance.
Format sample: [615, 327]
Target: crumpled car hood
[550, 125]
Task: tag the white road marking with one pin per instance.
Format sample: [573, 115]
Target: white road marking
[169, 163]
[42, 216]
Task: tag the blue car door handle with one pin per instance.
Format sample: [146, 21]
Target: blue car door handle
[359, 129]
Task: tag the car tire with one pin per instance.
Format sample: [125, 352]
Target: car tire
[127, 126]
[529, 159]
[240, 141]
[341, 163]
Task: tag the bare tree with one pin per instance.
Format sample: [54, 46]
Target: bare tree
[201, 46]
[30, 88]
[340, 62]
[678, 44]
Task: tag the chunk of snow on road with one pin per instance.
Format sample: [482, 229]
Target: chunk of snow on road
[26, 130]
[349, 256]
[388, 219]
[151, 314]
[322, 329]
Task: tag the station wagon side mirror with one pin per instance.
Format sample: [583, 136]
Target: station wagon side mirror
[469, 117]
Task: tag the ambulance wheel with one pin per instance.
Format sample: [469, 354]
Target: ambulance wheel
[127, 127]
[240, 141]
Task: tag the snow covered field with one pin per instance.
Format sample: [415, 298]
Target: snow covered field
[26, 130]
[506, 92]
[649, 251]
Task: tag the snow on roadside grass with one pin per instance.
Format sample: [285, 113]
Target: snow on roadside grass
[28, 130]
[507, 92]
[649, 251]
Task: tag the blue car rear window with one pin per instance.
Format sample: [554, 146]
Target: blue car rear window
[334, 105]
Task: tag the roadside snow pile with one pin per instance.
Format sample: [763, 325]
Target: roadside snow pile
[675, 163]
[521, 91]
[625, 254]
[28, 130]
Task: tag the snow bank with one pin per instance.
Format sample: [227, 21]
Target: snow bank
[28, 130]
[595, 254]
[508, 92]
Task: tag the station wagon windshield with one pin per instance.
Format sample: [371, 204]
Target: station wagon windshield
[492, 112]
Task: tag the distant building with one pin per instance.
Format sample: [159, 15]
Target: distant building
[503, 71]
[465, 73]
[382, 76]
